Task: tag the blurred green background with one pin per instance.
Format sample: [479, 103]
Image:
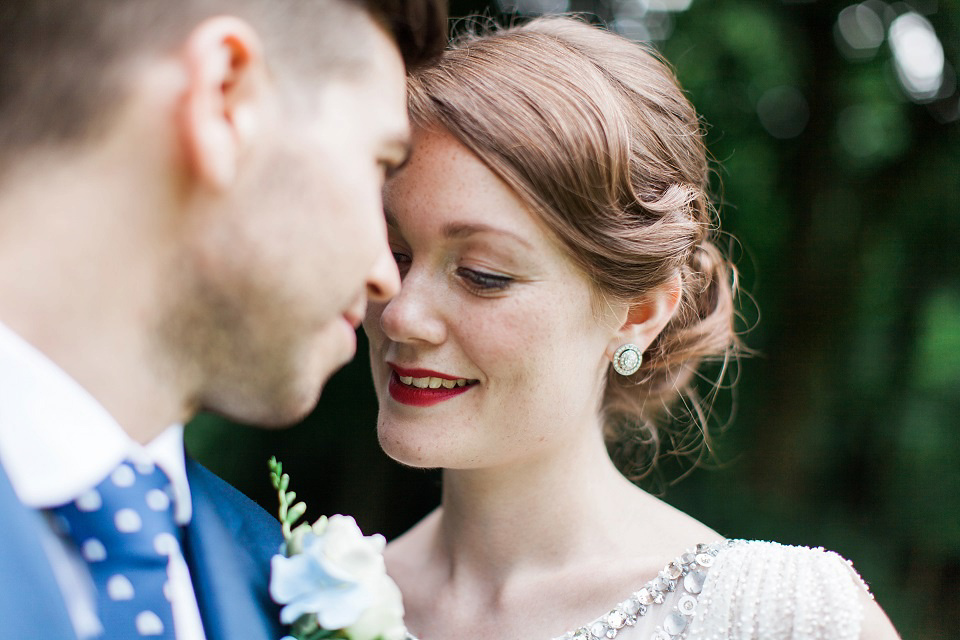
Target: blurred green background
[836, 130]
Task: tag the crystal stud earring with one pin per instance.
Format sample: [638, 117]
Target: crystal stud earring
[627, 359]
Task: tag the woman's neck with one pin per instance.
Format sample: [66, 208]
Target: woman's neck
[498, 523]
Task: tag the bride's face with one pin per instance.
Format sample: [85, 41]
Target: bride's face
[493, 351]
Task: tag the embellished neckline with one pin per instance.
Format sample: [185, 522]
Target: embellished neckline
[686, 572]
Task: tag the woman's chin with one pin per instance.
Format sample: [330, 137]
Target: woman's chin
[419, 453]
[431, 457]
[431, 445]
[406, 454]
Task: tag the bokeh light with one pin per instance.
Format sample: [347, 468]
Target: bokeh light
[859, 31]
[646, 20]
[783, 112]
[871, 132]
[918, 56]
[534, 7]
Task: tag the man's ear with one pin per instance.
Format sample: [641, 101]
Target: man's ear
[646, 316]
[224, 100]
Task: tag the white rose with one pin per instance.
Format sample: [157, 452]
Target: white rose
[339, 576]
[385, 618]
[357, 555]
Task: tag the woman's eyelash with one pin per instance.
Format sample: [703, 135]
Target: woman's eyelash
[483, 280]
[477, 280]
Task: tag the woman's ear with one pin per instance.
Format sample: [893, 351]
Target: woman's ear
[223, 103]
[646, 316]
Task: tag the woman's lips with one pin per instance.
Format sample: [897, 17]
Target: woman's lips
[423, 388]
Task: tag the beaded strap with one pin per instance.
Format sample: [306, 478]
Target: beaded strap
[688, 572]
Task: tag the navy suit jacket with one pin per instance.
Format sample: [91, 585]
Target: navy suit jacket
[228, 545]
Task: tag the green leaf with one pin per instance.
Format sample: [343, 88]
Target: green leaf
[284, 483]
[275, 468]
[295, 512]
[290, 496]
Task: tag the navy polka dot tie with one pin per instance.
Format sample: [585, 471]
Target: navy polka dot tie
[124, 529]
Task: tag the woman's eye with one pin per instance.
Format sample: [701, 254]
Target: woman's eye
[482, 281]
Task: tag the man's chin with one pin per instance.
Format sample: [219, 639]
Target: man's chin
[299, 405]
[277, 412]
[281, 401]
[325, 366]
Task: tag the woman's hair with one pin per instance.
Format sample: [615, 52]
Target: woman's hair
[595, 135]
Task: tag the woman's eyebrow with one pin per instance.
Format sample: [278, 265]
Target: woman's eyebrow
[460, 230]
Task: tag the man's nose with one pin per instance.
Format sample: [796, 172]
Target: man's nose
[383, 281]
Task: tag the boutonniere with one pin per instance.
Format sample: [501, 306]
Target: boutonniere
[329, 577]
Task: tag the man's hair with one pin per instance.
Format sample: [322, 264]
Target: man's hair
[62, 62]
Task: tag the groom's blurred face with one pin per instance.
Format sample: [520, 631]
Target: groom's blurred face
[305, 246]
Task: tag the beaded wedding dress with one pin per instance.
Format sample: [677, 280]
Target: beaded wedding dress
[739, 590]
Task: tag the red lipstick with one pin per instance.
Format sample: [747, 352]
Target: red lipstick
[417, 397]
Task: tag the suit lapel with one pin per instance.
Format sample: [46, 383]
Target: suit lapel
[228, 552]
[31, 603]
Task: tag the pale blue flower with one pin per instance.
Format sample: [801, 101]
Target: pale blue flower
[329, 577]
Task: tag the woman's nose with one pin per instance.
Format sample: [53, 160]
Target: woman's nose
[414, 315]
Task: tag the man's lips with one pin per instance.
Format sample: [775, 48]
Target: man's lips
[353, 319]
[356, 311]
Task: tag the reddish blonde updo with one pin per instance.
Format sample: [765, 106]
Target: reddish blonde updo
[593, 131]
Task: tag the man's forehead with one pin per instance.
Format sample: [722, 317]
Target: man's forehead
[398, 150]
[388, 117]
[384, 82]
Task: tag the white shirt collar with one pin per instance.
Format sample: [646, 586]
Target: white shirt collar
[57, 441]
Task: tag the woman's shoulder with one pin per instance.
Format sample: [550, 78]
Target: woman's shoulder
[767, 563]
[765, 555]
[761, 589]
[747, 590]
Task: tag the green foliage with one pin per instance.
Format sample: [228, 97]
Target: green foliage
[289, 511]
